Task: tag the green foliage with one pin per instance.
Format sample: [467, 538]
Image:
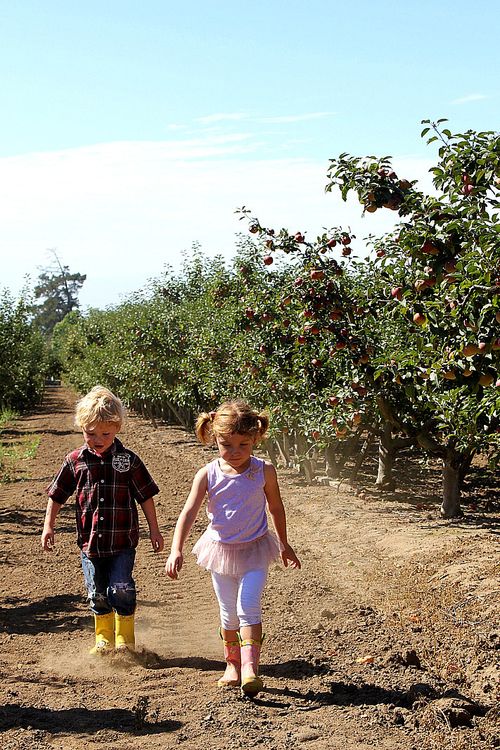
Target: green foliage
[23, 356]
[330, 342]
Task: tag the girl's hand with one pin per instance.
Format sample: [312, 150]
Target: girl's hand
[157, 542]
[289, 557]
[174, 564]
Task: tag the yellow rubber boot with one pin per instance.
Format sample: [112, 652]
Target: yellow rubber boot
[104, 633]
[124, 632]
[251, 683]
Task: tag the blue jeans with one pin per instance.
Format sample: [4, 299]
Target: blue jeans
[109, 582]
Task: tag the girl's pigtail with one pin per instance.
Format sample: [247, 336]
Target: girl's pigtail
[203, 428]
[263, 422]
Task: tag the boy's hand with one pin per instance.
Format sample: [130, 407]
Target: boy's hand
[157, 542]
[174, 564]
[48, 539]
[289, 557]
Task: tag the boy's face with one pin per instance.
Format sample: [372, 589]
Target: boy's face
[99, 436]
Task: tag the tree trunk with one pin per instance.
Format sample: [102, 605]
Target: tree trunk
[272, 451]
[386, 455]
[332, 467]
[305, 463]
[361, 456]
[452, 471]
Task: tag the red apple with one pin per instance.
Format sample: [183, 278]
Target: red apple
[429, 248]
[317, 274]
[419, 319]
[397, 292]
[268, 260]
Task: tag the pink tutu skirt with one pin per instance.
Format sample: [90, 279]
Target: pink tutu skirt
[236, 559]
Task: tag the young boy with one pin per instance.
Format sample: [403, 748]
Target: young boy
[108, 480]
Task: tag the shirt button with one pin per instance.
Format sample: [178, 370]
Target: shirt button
[101, 518]
[100, 535]
[101, 500]
[102, 481]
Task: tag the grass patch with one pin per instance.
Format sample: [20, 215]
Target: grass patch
[14, 452]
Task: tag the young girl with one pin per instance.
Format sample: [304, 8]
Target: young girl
[237, 546]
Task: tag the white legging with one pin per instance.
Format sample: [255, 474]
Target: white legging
[240, 598]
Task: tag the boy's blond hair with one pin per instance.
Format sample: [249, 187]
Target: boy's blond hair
[99, 405]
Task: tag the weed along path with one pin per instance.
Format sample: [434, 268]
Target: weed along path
[388, 637]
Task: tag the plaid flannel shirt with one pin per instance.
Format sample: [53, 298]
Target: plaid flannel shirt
[107, 489]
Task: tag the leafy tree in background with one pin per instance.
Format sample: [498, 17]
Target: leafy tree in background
[58, 291]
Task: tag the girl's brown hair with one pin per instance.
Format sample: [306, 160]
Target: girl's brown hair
[232, 417]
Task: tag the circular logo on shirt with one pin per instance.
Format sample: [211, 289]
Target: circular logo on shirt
[121, 462]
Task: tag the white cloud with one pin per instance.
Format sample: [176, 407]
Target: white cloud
[122, 212]
[469, 98]
[296, 118]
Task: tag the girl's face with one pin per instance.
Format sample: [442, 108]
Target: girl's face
[236, 450]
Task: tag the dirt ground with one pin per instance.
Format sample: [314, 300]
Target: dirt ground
[388, 637]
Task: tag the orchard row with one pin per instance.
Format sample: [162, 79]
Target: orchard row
[24, 356]
[402, 345]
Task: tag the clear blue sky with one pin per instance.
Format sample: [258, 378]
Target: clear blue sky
[130, 129]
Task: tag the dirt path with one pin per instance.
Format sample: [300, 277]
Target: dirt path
[387, 638]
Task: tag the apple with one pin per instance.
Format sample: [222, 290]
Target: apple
[467, 189]
[470, 350]
[331, 242]
[340, 345]
[316, 434]
[420, 285]
[449, 375]
[287, 300]
[486, 379]
[301, 339]
[316, 363]
[497, 316]
[429, 248]
[317, 274]
[254, 228]
[419, 319]
[357, 417]
[397, 292]
[380, 253]
[346, 251]
[346, 240]
[268, 260]
[333, 400]
[299, 237]
[298, 281]
[250, 313]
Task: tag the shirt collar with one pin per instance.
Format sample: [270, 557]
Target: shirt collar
[116, 447]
